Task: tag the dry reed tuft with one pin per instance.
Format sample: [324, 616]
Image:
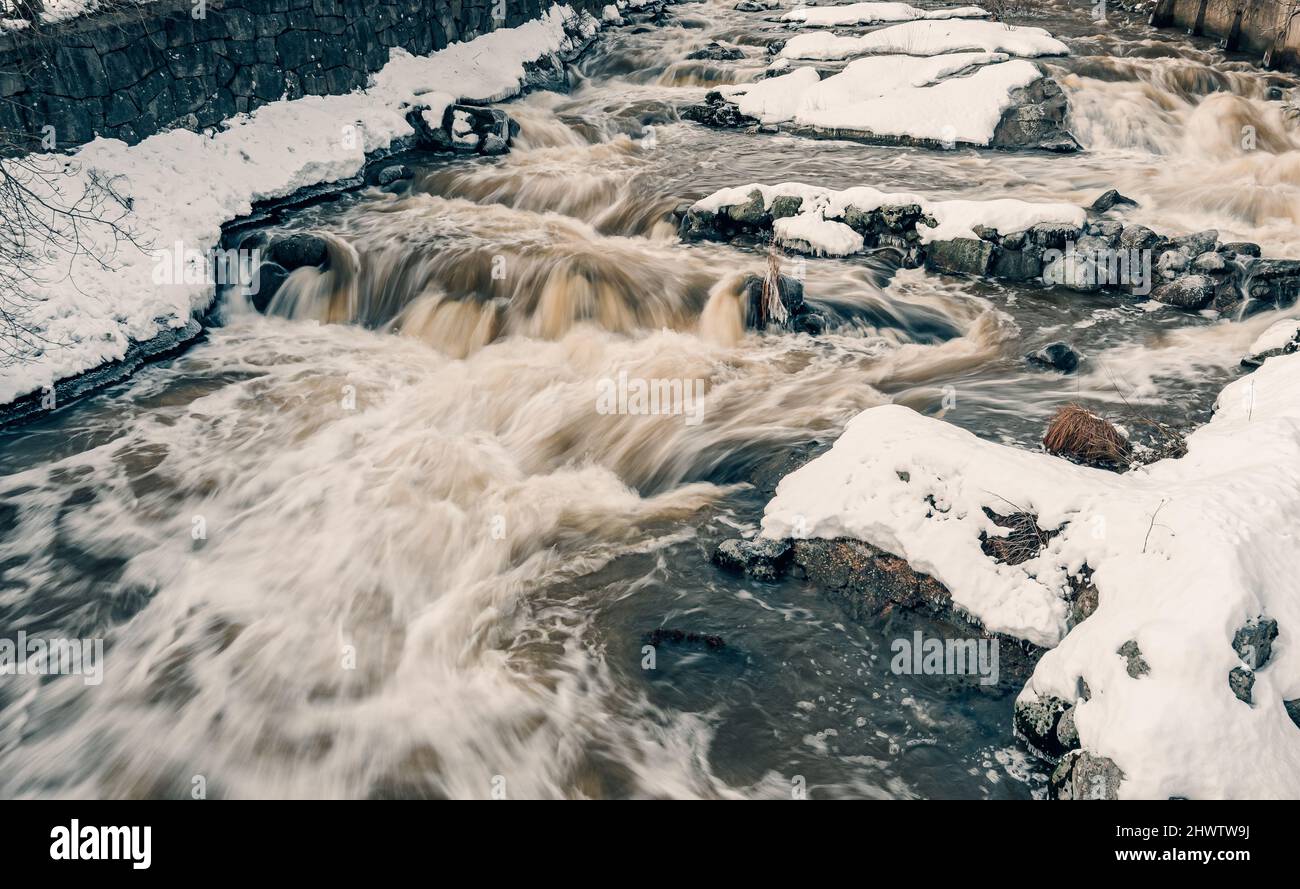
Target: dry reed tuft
[1078, 434]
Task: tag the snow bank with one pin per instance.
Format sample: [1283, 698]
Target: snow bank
[875, 13]
[926, 38]
[183, 186]
[1184, 552]
[954, 98]
[954, 219]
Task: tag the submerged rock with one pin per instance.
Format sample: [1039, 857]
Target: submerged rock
[761, 558]
[1057, 356]
[717, 52]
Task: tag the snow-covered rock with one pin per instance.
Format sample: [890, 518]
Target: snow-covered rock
[928, 38]
[875, 13]
[1186, 556]
[969, 98]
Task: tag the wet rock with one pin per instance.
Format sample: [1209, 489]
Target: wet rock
[1016, 265]
[1198, 243]
[756, 5]
[679, 637]
[866, 580]
[1137, 666]
[1242, 683]
[1111, 198]
[1240, 248]
[718, 112]
[393, 173]
[1025, 540]
[1275, 281]
[964, 256]
[790, 291]
[717, 52]
[1210, 263]
[752, 214]
[270, 276]
[463, 128]
[298, 250]
[1037, 721]
[1036, 119]
[1084, 775]
[1057, 356]
[1170, 263]
[1193, 292]
[1052, 235]
[1138, 237]
[1108, 230]
[1253, 641]
[761, 558]
[1067, 733]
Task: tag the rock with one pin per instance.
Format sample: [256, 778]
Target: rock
[791, 293]
[1053, 235]
[1275, 281]
[1198, 243]
[1036, 119]
[1016, 265]
[1067, 733]
[1192, 292]
[1111, 198]
[717, 52]
[393, 173]
[1058, 356]
[1083, 597]
[1171, 262]
[1242, 683]
[1084, 775]
[1240, 248]
[1293, 711]
[298, 250]
[786, 205]
[1253, 641]
[464, 128]
[865, 580]
[661, 635]
[984, 233]
[1107, 229]
[1137, 237]
[965, 256]
[718, 112]
[1037, 721]
[270, 276]
[1210, 262]
[756, 5]
[1137, 666]
[761, 558]
[752, 213]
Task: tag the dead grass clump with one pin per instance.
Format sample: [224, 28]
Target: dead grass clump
[1078, 434]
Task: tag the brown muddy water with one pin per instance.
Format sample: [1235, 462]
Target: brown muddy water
[385, 542]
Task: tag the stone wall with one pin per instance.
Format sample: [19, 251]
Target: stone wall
[135, 71]
[1268, 30]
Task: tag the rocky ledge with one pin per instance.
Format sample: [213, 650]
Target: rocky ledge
[1056, 245]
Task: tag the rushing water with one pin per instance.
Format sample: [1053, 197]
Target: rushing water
[383, 543]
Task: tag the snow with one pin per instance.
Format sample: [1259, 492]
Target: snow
[954, 218]
[959, 97]
[1184, 552]
[183, 186]
[927, 38]
[1278, 335]
[874, 13]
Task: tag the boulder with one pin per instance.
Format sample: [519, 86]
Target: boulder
[1240, 248]
[1111, 198]
[717, 52]
[1192, 292]
[1036, 720]
[1084, 775]
[393, 173]
[865, 580]
[761, 558]
[1275, 281]
[1242, 684]
[964, 256]
[294, 251]
[718, 112]
[1036, 119]
[1057, 356]
[1198, 243]
[1253, 641]
[463, 128]
[789, 289]
[1138, 237]
[1137, 666]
